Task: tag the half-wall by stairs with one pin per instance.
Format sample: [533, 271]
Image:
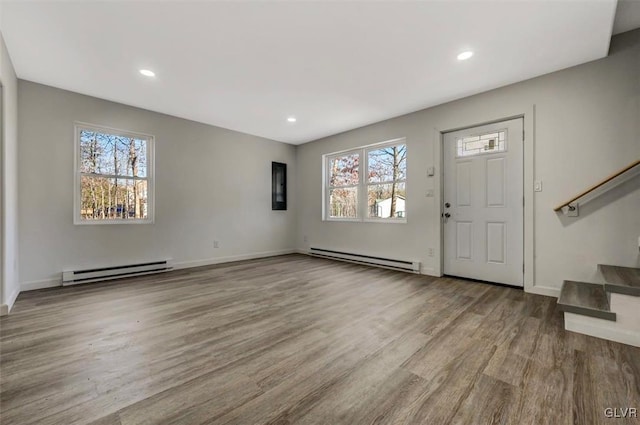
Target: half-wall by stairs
[608, 308]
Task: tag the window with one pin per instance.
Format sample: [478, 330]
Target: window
[114, 176]
[376, 194]
[481, 144]
[344, 171]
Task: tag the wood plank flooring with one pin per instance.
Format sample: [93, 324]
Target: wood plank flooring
[301, 340]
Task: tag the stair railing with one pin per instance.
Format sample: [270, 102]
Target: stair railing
[571, 207]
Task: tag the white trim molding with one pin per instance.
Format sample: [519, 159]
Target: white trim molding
[149, 178]
[362, 187]
[231, 258]
[52, 283]
[10, 301]
[600, 328]
[547, 291]
[40, 284]
[453, 123]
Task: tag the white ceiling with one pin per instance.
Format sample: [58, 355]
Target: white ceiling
[336, 66]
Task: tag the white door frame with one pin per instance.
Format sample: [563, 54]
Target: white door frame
[453, 122]
[510, 213]
[4, 308]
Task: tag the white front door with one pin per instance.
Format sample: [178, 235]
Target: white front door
[483, 203]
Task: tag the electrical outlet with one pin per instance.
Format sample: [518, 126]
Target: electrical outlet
[305, 238]
[216, 244]
[537, 186]
[430, 252]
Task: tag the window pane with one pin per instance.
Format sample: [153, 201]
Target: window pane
[485, 143]
[96, 153]
[112, 199]
[386, 200]
[343, 170]
[132, 156]
[343, 203]
[140, 165]
[103, 153]
[387, 164]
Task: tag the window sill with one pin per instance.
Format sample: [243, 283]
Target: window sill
[368, 220]
[347, 220]
[386, 220]
[102, 222]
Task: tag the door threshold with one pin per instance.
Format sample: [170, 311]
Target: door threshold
[505, 285]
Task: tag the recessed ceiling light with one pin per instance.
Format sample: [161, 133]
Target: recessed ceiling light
[147, 73]
[465, 55]
[292, 119]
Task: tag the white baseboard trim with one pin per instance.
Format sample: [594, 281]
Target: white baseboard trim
[429, 271]
[40, 284]
[600, 328]
[231, 258]
[52, 283]
[6, 308]
[12, 299]
[548, 291]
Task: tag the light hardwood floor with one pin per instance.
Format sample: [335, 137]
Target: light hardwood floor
[301, 340]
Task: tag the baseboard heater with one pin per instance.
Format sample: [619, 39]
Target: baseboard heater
[74, 277]
[388, 263]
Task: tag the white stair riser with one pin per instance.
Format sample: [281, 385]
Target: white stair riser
[605, 329]
[627, 309]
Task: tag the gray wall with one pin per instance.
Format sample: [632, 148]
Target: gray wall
[9, 176]
[225, 177]
[586, 125]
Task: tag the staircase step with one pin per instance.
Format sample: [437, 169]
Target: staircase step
[588, 299]
[622, 280]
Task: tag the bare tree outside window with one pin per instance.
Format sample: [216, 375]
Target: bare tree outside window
[367, 183]
[386, 189]
[343, 186]
[114, 176]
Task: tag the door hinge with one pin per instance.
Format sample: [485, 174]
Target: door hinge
[522, 267]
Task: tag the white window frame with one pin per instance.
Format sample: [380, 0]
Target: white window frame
[150, 178]
[327, 187]
[362, 210]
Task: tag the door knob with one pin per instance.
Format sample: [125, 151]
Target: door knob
[447, 205]
[447, 215]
